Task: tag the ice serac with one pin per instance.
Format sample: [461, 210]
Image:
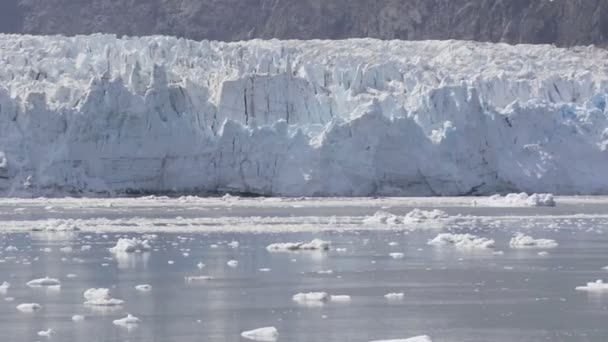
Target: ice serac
[102, 115]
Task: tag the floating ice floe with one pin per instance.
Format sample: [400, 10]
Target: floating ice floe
[462, 241]
[419, 216]
[128, 322]
[43, 282]
[421, 338]
[266, 334]
[78, 318]
[11, 249]
[520, 240]
[100, 297]
[307, 297]
[597, 286]
[383, 217]
[394, 296]
[232, 263]
[4, 287]
[143, 288]
[47, 333]
[517, 200]
[397, 255]
[340, 298]
[314, 245]
[414, 216]
[192, 279]
[131, 246]
[29, 307]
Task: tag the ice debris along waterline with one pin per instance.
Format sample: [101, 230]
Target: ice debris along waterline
[465, 241]
[130, 246]
[266, 334]
[521, 240]
[597, 286]
[299, 118]
[58, 226]
[100, 297]
[517, 200]
[314, 245]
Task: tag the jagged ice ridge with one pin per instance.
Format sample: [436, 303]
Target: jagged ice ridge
[101, 114]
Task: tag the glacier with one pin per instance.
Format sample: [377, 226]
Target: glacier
[103, 115]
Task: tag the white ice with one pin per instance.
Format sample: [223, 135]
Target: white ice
[311, 297]
[521, 240]
[597, 286]
[314, 245]
[125, 245]
[128, 321]
[422, 338]
[143, 288]
[517, 200]
[462, 241]
[47, 333]
[29, 307]
[354, 117]
[100, 297]
[42, 282]
[266, 334]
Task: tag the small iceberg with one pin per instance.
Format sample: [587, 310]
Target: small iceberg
[266, 334]
[520, 240]
[314, 245]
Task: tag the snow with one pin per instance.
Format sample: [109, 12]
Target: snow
[421, 338]
[130, 246]
[127, 322]
[29, 307]
[462, 241]
[266, 334]
[314, 245]
[518, 200]
[597, 286]
[360, 117]
[521, 240]
[100, 297]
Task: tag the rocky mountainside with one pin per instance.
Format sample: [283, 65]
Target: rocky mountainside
[562, 22]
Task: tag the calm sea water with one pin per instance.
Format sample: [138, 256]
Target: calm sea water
[449, 294]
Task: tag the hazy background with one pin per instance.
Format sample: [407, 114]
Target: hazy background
[562, 22]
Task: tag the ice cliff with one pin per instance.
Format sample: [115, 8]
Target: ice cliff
[99, 114]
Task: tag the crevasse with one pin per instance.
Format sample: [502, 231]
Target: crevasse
[105, 115]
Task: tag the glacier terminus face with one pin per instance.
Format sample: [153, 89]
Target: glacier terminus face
[105, 115]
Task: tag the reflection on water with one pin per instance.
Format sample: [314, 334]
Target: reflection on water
[450, 294]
